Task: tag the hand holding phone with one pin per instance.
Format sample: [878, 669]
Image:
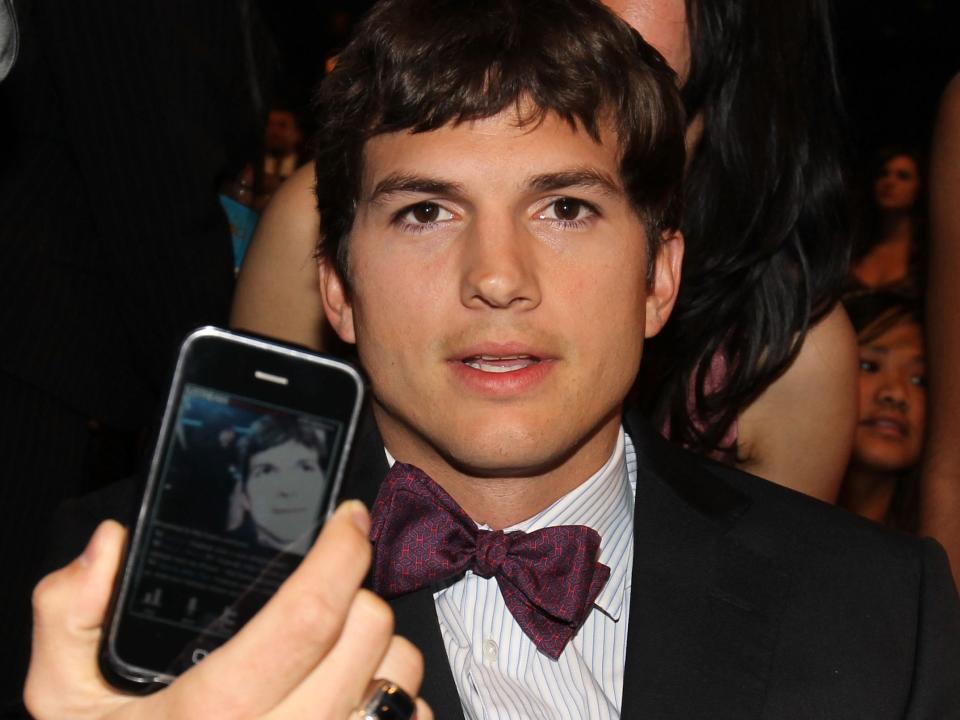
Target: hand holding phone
[310, 652]
[246, 468]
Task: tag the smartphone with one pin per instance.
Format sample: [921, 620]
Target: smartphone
[246, 468]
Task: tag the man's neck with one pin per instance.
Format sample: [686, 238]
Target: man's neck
[499, 500]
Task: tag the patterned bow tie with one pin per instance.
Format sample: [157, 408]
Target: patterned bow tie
[548, 578]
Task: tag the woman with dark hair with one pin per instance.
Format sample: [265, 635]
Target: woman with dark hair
[881, 482]
[889, 241]
[757, 361]
[757, 364]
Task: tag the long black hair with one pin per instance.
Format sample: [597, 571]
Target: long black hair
[766, 247]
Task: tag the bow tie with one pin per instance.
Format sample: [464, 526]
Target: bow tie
[548, 578]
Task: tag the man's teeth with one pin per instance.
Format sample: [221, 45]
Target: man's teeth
[500, 363]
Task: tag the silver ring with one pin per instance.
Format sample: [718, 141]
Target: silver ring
[386, 700]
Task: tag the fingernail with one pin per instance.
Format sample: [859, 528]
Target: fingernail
[89, 553]
[359, 515]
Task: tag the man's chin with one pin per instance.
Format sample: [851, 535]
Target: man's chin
[506, 454]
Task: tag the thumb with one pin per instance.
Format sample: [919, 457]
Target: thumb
[69, 607]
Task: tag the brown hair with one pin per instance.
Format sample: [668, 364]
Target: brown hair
[417, 65]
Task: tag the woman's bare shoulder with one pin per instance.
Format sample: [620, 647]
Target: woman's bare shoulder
[799, 431]
[277, 292]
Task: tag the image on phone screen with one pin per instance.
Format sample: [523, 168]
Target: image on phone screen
[243, 489]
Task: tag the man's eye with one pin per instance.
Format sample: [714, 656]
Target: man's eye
[260, 470]
[868, 366]
[425, 213]
[567, 210]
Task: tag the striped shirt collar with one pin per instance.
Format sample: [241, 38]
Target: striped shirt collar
[603, 502]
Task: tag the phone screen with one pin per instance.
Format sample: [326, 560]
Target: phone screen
[241, 489]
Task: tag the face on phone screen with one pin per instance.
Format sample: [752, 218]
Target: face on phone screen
[243, 489]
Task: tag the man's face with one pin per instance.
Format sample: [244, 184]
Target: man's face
[285, 485]
[499, 295]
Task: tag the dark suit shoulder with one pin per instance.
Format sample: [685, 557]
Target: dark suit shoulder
[870, 612]
[811, 527]
[841, 617]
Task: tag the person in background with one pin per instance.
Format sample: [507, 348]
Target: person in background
[881, 482]
[283, 145]
[940, 479]
[757, 336]
[283, 142]
[891, 236]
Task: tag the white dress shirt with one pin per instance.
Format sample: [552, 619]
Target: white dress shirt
[499, 673]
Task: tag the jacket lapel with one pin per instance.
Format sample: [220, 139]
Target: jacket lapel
[415, 614]
[705, 601]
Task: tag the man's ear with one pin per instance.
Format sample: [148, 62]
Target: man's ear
[665, 281]
[336, 303]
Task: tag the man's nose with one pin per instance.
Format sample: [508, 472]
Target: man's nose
[499, 266]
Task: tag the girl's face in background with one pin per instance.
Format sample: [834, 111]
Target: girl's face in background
[897, 185]
[889, 435]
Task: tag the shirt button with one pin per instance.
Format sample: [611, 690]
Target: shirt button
[490, 651]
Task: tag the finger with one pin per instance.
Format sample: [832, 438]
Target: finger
[402, 665]
[341, 680]
[423, 710]
[69, 609]
[282, 644]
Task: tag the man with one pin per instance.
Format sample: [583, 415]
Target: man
[498, 185]
[281, 483]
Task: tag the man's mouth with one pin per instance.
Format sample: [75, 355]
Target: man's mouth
[500, 363]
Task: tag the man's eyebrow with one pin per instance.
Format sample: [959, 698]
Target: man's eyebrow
[406, 183]
[577, 177]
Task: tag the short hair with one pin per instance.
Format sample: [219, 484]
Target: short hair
[418, 65]
[273, 430]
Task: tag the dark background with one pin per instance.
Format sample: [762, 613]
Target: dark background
[895, 58]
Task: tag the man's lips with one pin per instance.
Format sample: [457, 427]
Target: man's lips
[500, 363]
[502, 369]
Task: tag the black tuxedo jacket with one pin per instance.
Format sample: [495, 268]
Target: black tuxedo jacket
[748, 600]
